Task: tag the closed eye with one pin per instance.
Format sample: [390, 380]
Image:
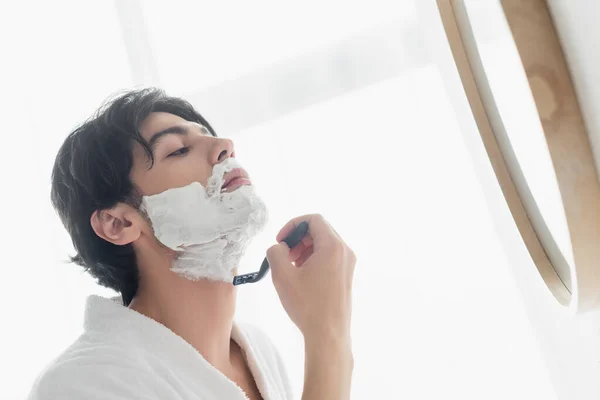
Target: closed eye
[182, 151]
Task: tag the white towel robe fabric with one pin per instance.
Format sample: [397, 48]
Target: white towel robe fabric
[124, 355]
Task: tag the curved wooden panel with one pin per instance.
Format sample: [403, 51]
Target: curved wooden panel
[565, 134]
[568, 143]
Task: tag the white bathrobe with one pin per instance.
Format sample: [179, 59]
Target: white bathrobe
[124, 355]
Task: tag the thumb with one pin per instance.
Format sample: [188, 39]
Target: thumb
[279, 259]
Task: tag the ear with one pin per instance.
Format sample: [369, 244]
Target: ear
[117, 225]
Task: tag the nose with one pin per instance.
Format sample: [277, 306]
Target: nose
[222, 150]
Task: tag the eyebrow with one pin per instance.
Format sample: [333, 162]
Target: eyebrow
[175, 129]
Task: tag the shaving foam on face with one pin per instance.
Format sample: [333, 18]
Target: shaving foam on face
[209, 229]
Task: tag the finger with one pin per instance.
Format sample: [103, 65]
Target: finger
[307, 240]
[334, 231]
[319, 230]
[278, 257]
[304, 256]
[289, 227]
[293, 223]
[297, 251]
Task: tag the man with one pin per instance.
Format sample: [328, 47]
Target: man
[129, 185]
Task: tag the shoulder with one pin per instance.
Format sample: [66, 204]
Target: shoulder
[94, 372]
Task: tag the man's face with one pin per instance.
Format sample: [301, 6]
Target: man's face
[184, 152]
[209, 232]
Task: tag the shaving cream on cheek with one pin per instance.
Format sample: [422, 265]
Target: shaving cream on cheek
[209, 229]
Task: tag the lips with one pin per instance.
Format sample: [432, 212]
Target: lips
[235, 178]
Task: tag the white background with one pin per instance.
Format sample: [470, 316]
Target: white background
[446, 305]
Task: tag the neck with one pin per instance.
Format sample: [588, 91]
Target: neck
[201, 312]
